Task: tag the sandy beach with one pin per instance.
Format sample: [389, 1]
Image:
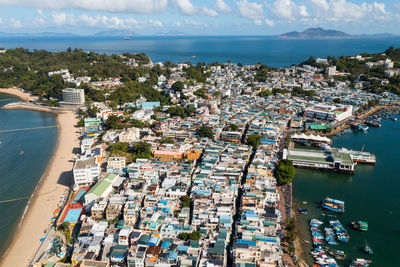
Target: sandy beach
[17, 92]
[57, 178]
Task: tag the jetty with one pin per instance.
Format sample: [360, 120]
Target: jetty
[30, 106]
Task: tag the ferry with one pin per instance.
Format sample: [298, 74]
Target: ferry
[360, 156]
[360, 225]
[333, 205]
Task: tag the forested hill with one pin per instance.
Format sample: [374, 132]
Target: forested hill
[29, 70]
[374, 78]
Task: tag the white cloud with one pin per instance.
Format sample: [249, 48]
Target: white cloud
[14, 23]
[1, 20]
[223, 7]
[186, 7]
[251, 10]
[40, 12]
[286, 9]
[38, 21]
[342, 10]
[122, 6]
[269, 22]
[155, 23]
[257, 22]
[63, 19]
[116, 22]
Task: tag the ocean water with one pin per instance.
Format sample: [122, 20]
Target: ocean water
[371, 194]
[19, 174]
[273, 51]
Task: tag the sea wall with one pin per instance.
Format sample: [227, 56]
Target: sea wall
[22, 105]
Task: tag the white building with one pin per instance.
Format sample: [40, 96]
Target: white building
[85, 172]
[86, 144]
[329, 113]
[73, 96]
[321, 60]
[331, 71]
[116, 163]
[130, 135]
[2, 50]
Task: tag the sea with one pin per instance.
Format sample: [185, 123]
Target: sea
[270, 50]
[371, 194]
[20, 174]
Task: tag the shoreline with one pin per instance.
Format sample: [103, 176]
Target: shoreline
[36, 216]
[17, 92]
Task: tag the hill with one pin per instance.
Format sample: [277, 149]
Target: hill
[316, 33]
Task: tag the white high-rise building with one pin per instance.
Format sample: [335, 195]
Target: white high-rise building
[73, 96]
[85, 172]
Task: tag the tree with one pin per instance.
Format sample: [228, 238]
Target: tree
[233, 127]
[337, 100]
[195, 235]
[141, 150]
[201, 93]
[178, 86]
[254, 140]
[285, 172]
[185, 201]
[112, 122]
[205, 131]
[167, 140]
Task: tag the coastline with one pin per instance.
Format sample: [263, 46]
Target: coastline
[17, 92]
[39, 210]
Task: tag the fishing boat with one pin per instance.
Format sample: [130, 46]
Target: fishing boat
[338, 254]
[360, 225]
[341, 232]
[21, 152]
[126, 38]
[368, 249]
[360, 262]
[394, 119]
[330, 236]
[333, 205]
[303, 211]
[305, 202]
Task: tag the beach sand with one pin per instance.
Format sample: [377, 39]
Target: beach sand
[17, 92]
[57, 178]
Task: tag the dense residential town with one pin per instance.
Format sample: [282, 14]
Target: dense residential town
[193, 182]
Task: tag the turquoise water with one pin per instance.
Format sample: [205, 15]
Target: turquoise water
[19, 174]
[273, 51]
[371, 194]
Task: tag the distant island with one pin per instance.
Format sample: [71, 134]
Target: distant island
[322, 33]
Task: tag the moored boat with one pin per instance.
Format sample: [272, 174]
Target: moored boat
[333, 205]
[368, 249]
[360, 262]
[360, 225]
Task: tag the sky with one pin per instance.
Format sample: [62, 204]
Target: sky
[198, 17]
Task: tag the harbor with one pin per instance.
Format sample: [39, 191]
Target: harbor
[370, 196]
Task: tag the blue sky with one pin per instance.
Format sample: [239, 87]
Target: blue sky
[195, 17]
